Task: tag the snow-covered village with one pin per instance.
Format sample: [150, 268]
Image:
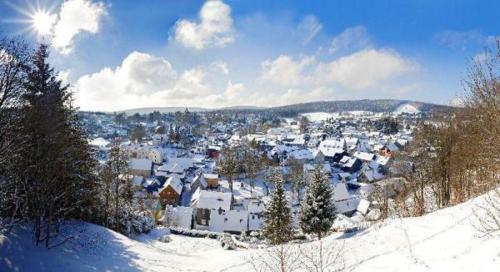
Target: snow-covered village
[263, 136]
[217, 176]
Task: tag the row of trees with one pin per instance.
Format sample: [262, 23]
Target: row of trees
[46, 165]
[454, 156]
[237, 160]
[48, 171]
[317, 213]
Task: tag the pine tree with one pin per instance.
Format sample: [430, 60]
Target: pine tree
[57, 170]
[277, 216]
[317, 209]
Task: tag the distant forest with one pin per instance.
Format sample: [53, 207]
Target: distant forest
[381, 105]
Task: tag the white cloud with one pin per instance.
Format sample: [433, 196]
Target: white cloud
[463, 40]
[352, 39]
[75, 17]
[308, 28]
[285, 71]
[138, 77]
[143, 80]
[364, 69]
[214, 29]
[233, 90]
[64, 76]
[220, 66]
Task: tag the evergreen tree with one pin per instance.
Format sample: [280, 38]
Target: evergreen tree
[277, 216]
[138, 133]
[57, 170]
[317, 209]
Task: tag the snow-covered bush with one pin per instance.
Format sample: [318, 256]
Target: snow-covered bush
[227, 242]
[196, 233]
[165, 239]
[142, 222]
[134, 222]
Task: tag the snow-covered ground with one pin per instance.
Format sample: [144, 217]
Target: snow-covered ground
[406, 108]
[441, 241]
[320, 116]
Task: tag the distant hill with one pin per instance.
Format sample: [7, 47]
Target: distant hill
[191, 109]
[162, 110]
[377, 105]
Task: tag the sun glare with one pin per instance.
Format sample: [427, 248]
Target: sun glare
[42, 22]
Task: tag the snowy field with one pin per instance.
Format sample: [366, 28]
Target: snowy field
[442, 241]
[406, 108]
[320, 116]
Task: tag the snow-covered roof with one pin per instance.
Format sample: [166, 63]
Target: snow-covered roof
[140, 164]
[348, 161]
[302, 154]
[138, 180]
[340, 192]
[256, 207]
[99, 142]
[210, 176]
[211, 200]
[347, 205]
[177, 165]
[330, 151]
[174, 182]
[382, 160]
[363, 206]
[364, 156]
[310, 167]
[332, 143]
[370, 171]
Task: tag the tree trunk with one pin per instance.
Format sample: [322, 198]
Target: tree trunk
[117, 198]
[47, 230]
[320, 252]
[282, 259]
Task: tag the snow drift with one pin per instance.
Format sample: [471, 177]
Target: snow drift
[445, 240]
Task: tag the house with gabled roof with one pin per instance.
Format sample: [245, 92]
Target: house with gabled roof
[171, 190]
[207, 202]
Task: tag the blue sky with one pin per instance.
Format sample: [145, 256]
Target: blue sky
[126, 54]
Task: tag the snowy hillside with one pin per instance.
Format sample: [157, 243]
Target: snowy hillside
[406, 108]
[441, 241]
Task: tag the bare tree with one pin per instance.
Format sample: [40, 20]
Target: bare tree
[253, 165]
[280, 258]
[487, 214]
[332, 259]
[14, 60]
[229, 164]
[296, 175]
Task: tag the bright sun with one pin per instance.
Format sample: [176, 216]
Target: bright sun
[42, 22]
